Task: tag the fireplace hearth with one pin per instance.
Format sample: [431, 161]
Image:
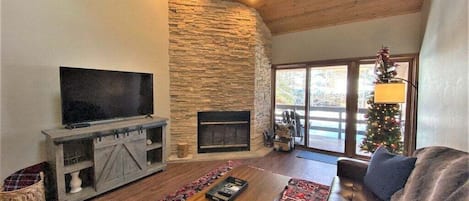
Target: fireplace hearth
[223, 131]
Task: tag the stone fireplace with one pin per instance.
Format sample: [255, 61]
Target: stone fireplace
[223, 131]
[219, 60]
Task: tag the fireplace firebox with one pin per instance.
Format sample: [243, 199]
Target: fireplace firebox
[223, 131]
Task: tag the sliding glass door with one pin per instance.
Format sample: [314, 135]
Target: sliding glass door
[327, 103]
[290, 99]
[365, 88]
[328, 100]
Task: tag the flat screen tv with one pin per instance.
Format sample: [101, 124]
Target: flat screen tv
[90, 95]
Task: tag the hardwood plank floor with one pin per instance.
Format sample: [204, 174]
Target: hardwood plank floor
[155, 186]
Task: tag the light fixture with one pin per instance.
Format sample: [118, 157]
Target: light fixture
[390, 93]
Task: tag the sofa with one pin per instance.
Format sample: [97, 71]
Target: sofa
[439, 174]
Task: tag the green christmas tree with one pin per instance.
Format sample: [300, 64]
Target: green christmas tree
[383, 126]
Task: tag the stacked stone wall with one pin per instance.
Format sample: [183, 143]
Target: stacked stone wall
[219, 61]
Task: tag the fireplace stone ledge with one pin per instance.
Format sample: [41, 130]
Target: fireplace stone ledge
[261, 152]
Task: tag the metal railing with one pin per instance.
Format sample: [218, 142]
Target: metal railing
[337, 115]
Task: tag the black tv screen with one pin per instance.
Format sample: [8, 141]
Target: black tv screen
[89, 95]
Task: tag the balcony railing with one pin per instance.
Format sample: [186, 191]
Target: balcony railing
[331, 116]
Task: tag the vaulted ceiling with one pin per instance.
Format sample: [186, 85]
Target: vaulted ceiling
[284, 16]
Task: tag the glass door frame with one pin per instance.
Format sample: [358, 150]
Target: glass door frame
[308, 104]
[353, 65]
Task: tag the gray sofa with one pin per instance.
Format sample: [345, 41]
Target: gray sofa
[440, 174]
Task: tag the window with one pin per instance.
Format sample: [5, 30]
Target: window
[330, 100]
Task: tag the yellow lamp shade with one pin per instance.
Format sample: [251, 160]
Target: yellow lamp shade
[390, 93]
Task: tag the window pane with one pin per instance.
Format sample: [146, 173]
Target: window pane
[290, 98]
[365, 88]
[328, 89]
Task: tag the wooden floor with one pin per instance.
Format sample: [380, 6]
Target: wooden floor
[156, 186]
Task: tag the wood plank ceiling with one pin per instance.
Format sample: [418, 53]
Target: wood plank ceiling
[284, 16]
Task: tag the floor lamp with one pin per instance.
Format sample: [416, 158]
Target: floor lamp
[390, 93]
[394, 93]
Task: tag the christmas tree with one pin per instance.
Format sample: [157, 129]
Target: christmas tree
[383, 126]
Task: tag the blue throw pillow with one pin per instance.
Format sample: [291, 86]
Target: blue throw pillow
[387, 173]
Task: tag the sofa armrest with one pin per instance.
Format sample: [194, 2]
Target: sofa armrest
[351, 168]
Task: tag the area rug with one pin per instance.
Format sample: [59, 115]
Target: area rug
[192, 188]
[317, 157]
[303, 190]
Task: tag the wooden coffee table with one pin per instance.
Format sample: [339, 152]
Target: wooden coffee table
[262, 185]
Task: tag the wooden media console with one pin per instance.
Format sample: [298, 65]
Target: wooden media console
[89, 161]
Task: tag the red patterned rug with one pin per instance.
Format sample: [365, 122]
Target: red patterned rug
[192, 188]
[303, 190]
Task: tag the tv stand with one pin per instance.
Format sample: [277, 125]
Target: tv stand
[104, 156]
[78, 125]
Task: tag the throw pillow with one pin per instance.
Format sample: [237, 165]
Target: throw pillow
[387, 173]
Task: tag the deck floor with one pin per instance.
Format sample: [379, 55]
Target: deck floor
[333, 144]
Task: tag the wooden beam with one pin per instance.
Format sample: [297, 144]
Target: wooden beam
[283, 16]
[278, 9]
[362, 10]
[253, 3]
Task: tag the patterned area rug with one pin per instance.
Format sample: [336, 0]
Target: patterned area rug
[192, 188]
[302, 190]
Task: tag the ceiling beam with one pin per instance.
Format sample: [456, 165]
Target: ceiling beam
[253, 3]
[284, 16]
[361, 11]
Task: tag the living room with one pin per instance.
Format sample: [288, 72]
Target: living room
[38, 37]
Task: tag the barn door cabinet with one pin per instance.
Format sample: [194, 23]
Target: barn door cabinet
[104, 156]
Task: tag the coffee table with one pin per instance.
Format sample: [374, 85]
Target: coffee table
[262, 185]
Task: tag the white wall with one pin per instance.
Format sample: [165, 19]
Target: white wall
[443, 113]
[400, 33]
[39, 36]
[0, 90]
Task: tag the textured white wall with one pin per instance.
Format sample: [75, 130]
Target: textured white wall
[39, 36]
[443, 78]
[0, 87]
[400, 33]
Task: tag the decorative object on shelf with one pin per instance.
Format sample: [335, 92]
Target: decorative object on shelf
[182, 150]
[384, 114]
[198, 185]
[299, 190]
[75, 183]
[149, 142]
[74, 157]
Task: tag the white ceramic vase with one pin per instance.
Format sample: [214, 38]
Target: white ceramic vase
[75, 183]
